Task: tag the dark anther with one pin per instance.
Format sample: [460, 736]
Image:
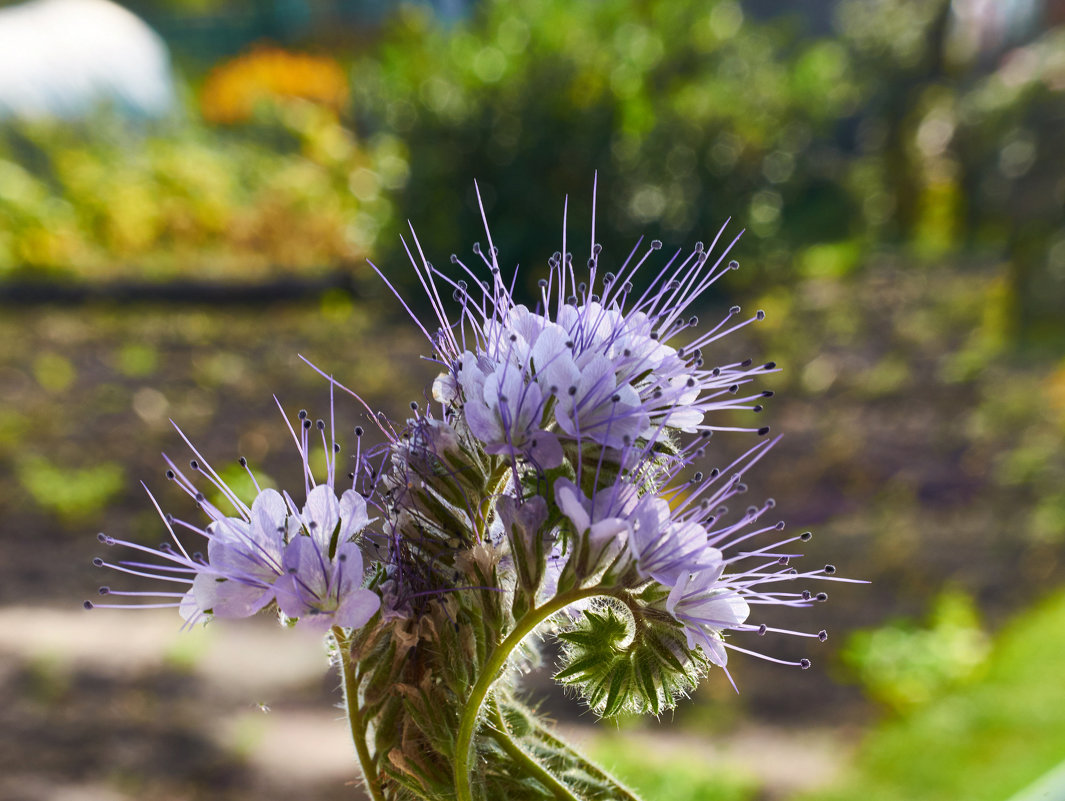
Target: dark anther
[806, 536]
[804, 663]
[734, 388]
[762, 630]
[699, 247]
[307, 425]
[769, 365]
[734, 265]
[556, 256]
[336, 447]
[656, 244]
[454, 258]
[414, 406]
[822, 635]
[569, 343]
[693, 321]
[715, 473]
[690, 382]
[542, 283]
[495, 251]
[626, 353]
[734, 310]
[194, 464]
[706, 434]
[767, 394]
[615, 398]
[594, 298]
[313, 524]
[98, 562]
[351, 476]
[807, 595]
[591, 262]
[303, 414]
[477, 248]
[672, 286]
[760, 314]
[597, 248]
[101, 537]
[243, 462]
[757, 407]
[342, 557]
[746, 362]
[821, 596]
[697, 477]
[830, 569]
[770, 503]
[104, 591]
[715, 372]
[87, 604]
[763, 431]
[320, 424]
[783, 560]
[571, 300]
[779, 525]
[626, 287]
[572, 391]
[358, 431]
[200, 497]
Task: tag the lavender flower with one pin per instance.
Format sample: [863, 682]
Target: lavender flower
[306, 561]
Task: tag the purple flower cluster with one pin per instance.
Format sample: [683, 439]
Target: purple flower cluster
[306, 561]
[579, 422]
[593, 379]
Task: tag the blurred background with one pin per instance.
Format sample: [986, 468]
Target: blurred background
[189, 191]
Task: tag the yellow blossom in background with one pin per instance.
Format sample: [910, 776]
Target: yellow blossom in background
[234, 88]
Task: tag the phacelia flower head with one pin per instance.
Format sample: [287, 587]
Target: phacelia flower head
[305, 561]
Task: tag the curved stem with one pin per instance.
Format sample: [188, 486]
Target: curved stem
[517, 753]
[355, 721]
[496, 660]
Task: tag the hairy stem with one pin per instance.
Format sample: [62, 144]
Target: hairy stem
[492, 667]
[518, 754]
[355, 721]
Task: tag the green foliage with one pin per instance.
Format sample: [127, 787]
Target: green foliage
[903, 665]
[103, 200]
[71, 492]
[662, 771]
[690, 113]
[997, 735]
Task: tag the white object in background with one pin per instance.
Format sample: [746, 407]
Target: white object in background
[63, 58]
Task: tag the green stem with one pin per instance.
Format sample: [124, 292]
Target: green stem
[496, 660]
[355, 721]
[534, 768]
